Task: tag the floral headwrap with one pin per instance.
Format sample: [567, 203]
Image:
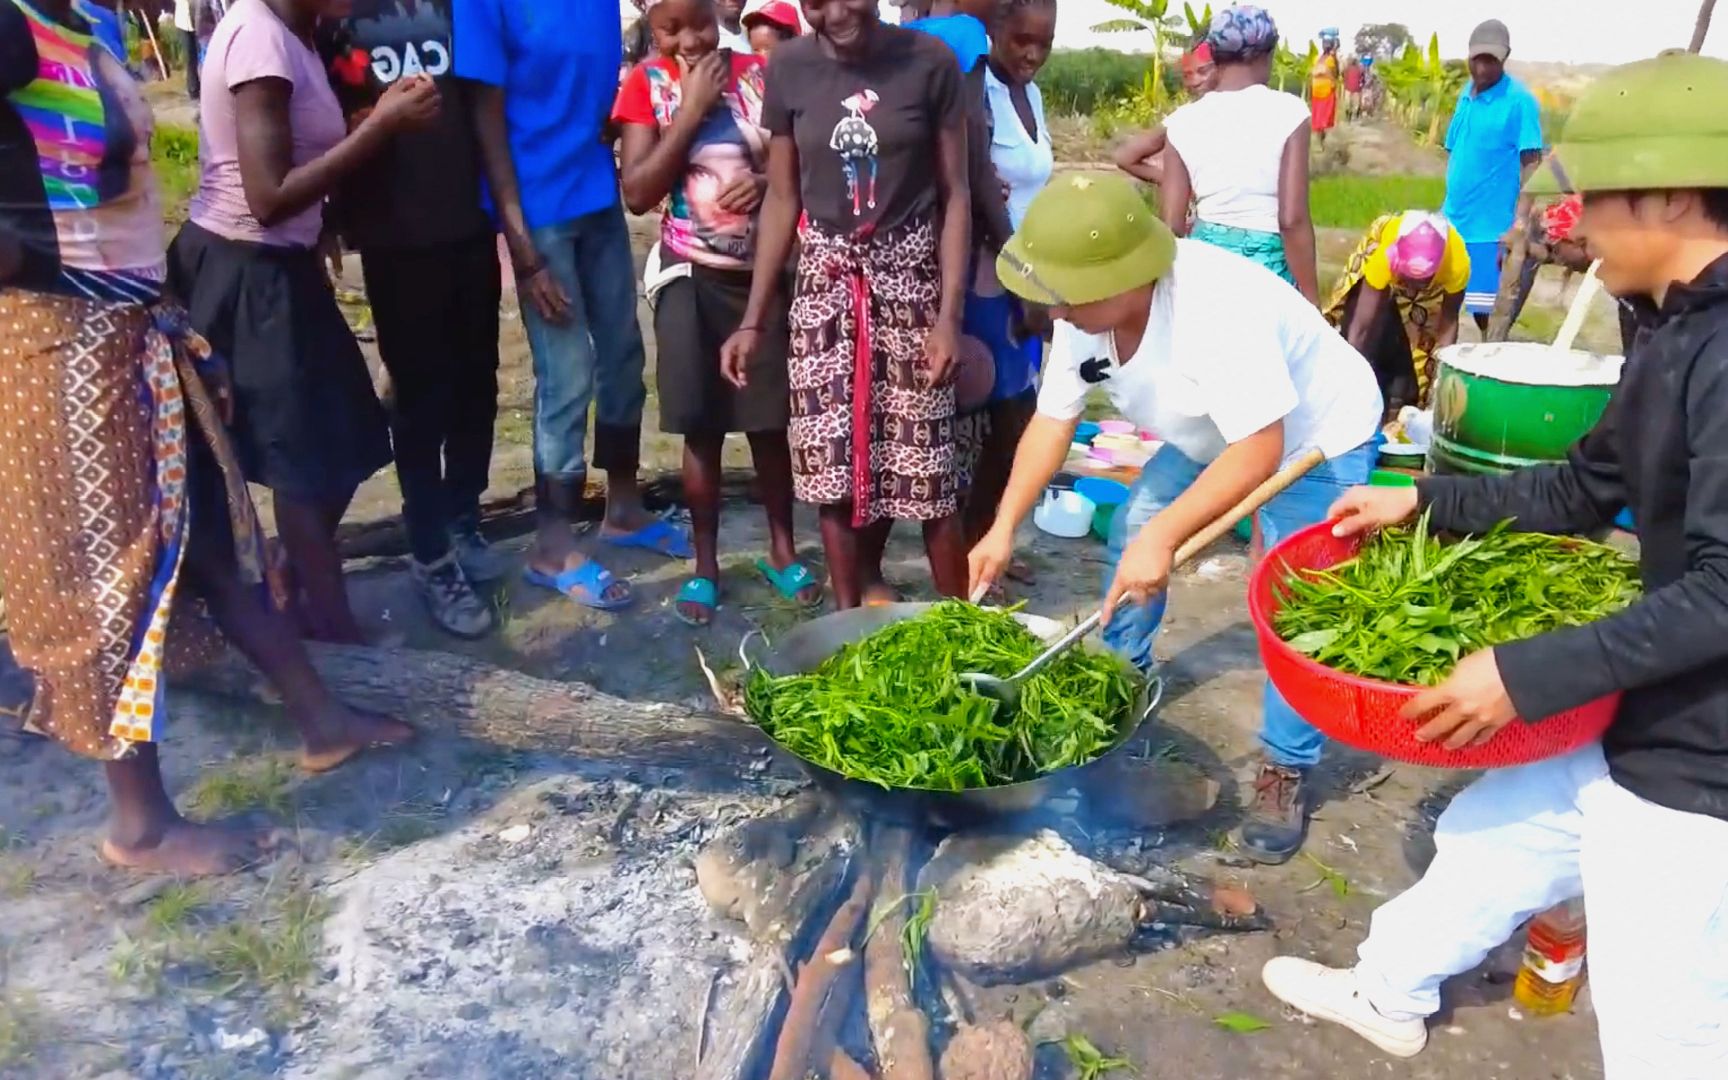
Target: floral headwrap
[1242, 32]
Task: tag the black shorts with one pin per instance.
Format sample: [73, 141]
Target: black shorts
[693, 317]
[307, 422]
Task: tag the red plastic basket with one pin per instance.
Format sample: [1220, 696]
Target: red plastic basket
[1364, 712]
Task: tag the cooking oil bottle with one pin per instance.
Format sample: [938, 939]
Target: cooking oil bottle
[1553, 965]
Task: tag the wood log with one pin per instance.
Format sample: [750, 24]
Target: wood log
[450, 694]
[742, 1040]
[898, 1028]
[798, 1033]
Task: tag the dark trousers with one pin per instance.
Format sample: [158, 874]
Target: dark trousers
[436, 312]
[189, 42]
[1388, 351]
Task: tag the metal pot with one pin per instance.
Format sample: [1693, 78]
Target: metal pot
[805, 647]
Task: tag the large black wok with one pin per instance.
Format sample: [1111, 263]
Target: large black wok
[807, 645]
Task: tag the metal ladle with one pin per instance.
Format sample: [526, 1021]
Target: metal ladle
[1007, 691]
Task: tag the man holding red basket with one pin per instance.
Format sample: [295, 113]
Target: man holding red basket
[1647, 148]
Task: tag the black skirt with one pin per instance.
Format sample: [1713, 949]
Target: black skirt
[307, 422]
[693, 317]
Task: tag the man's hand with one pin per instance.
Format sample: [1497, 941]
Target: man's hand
[1468, 708]
[735, 355]
[988, 561]
[330, 253]
[1141, 575]
[1362, 509]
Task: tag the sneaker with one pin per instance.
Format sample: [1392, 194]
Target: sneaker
[451, 600]
[1333, 994]
[481, 562]
[1278, 821]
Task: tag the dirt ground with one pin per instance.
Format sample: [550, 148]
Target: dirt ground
[410, 926]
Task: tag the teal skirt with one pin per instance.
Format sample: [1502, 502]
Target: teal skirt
[1265, 248]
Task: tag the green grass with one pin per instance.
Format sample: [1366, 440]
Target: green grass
[1345, 201]
[270, 952]
[174, 152]
[175, 908]
[22, 1026]
[255, 785]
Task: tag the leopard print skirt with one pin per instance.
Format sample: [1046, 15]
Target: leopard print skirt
[864, 429]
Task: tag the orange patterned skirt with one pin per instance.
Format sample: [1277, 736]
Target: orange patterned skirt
[101, 407]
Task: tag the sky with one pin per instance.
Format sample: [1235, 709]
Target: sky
[1574, 31]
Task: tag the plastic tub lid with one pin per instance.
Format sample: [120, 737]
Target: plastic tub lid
[1065, 513]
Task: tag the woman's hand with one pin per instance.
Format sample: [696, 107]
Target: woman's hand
[743, 195]
[1362, 509]
[407, 103]
[941, 347]
[702, 83]
[988, 561]
[330, 254]
[1142, 574]
[736, 353]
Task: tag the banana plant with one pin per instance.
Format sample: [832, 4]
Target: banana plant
[1148, 17]
[1423, 87]
[1198, 25]
[1290, 69]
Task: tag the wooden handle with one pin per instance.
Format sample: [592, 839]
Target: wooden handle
[1580, 308]
[1254, 500]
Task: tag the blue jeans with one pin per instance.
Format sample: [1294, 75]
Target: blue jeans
[599, 349]
[1289, 740]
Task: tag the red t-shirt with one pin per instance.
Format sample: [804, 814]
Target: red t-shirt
[731, 143]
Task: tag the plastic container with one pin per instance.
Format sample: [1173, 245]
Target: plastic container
[1116, 427]
[1085, 431]
[1064, 513]
[1553, 967]
[1390, 478]
[1106, 495]
[1365, 712]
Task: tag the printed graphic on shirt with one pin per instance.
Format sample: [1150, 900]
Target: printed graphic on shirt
[856, 143]
[730, 146]
[93, 210]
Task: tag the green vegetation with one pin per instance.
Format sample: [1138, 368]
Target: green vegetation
[245, 785]
[174, 152]
[1089, 1062]
[1080, 81]
[1409, 606]
[274, 952]
[22, 1027]
[1348, 201]
[890, 709]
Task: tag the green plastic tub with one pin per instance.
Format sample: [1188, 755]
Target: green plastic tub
[1503, 406]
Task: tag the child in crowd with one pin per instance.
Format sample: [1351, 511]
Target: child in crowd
[771, 22]
[693, 139]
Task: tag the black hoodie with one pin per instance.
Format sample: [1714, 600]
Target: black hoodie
[1661, 449]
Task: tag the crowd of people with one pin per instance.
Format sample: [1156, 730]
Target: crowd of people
[867, 266]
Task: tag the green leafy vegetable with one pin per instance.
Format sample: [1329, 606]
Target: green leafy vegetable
[1089, 1060]
[913, 932]
[1240, 1023]
[890, 709]
[1409, 606]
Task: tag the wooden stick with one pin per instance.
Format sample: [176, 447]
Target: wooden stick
[898, 1028]
[1575, 314]
[1251, 502]
[155, 46]
[832, 952]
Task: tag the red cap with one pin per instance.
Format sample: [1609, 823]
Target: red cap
[781, 13]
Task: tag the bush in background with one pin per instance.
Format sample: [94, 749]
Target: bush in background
[1081, 81]
[174, 152]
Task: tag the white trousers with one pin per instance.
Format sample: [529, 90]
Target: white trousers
[1655, 888]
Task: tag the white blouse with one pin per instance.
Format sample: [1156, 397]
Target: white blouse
[1022, 162]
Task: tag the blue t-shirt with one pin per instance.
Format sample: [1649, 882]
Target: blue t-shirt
[557, 61]
[1489, 132]
[965, 34]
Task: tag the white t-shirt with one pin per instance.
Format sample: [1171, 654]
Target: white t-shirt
[736, 40]
[1233, 142]
[1230, 347]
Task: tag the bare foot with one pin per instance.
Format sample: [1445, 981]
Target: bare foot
[189, 849]
[880, 592]
[348, 731]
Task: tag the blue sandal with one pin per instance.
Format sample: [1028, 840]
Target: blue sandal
[702, 592]
[586, 584]
[791, 581]
[660, 537]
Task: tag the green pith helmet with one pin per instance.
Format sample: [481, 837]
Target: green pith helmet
[1653, 125]
[1086, 237]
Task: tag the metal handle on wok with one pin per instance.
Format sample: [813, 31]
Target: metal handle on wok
[1195, 544]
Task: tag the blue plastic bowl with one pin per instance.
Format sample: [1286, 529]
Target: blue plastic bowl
[1102, 490]
[1085, 432]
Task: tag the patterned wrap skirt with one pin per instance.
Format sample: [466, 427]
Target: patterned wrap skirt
[1265, 248]
[1418, 309]
[865, 429]
[105, 418]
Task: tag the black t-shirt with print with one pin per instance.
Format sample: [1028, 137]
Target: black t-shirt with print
[423, 187]
[866, 130]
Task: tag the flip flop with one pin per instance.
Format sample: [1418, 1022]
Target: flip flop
[585, 584]
[702, 592]
[791, 581]
[660, 537]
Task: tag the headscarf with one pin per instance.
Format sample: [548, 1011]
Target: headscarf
[1242, 32]
[1421, 245]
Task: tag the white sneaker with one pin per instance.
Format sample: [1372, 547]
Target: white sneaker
[1332, 994]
